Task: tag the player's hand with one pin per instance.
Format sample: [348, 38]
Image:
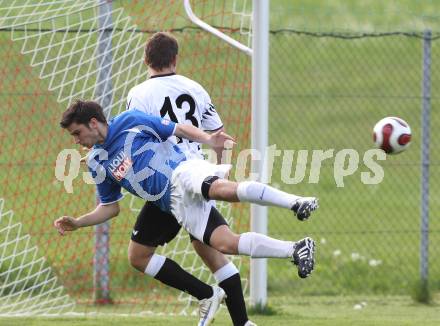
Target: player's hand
[65, 223]
[218, 139]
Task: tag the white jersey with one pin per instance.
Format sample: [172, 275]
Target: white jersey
[180, 100]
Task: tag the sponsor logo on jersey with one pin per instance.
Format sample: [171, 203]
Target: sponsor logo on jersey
[165, 122]
[120, 165]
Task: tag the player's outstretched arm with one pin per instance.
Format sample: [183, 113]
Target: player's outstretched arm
[215, 140]
[218, 150]
[99, 215]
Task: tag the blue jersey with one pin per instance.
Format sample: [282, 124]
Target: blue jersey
[137, 157]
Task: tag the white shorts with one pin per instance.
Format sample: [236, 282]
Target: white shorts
[188, 205]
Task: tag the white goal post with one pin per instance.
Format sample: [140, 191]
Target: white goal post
[259, 141]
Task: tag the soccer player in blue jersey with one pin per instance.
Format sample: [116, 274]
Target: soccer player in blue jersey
[180, 99]
[132, 152]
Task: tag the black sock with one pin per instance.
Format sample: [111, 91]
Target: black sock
[235, 299]
[173, 275]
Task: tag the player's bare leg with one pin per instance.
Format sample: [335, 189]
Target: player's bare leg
[262, 194]
[212, 258]
[144, 259]
[139, 255]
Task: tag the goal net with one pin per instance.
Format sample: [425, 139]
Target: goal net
[53, 52]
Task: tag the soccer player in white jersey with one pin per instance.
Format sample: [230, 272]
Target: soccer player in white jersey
[182, 100]
[172, 96]
[132, 152]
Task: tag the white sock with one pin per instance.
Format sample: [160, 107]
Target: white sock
[259, 193]
[259, 245]
[225, 272]
[154, 265]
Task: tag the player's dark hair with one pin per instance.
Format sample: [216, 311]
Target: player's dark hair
[81, 112]
[161, 50]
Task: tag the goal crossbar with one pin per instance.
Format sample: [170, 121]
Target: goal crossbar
[196, 20]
